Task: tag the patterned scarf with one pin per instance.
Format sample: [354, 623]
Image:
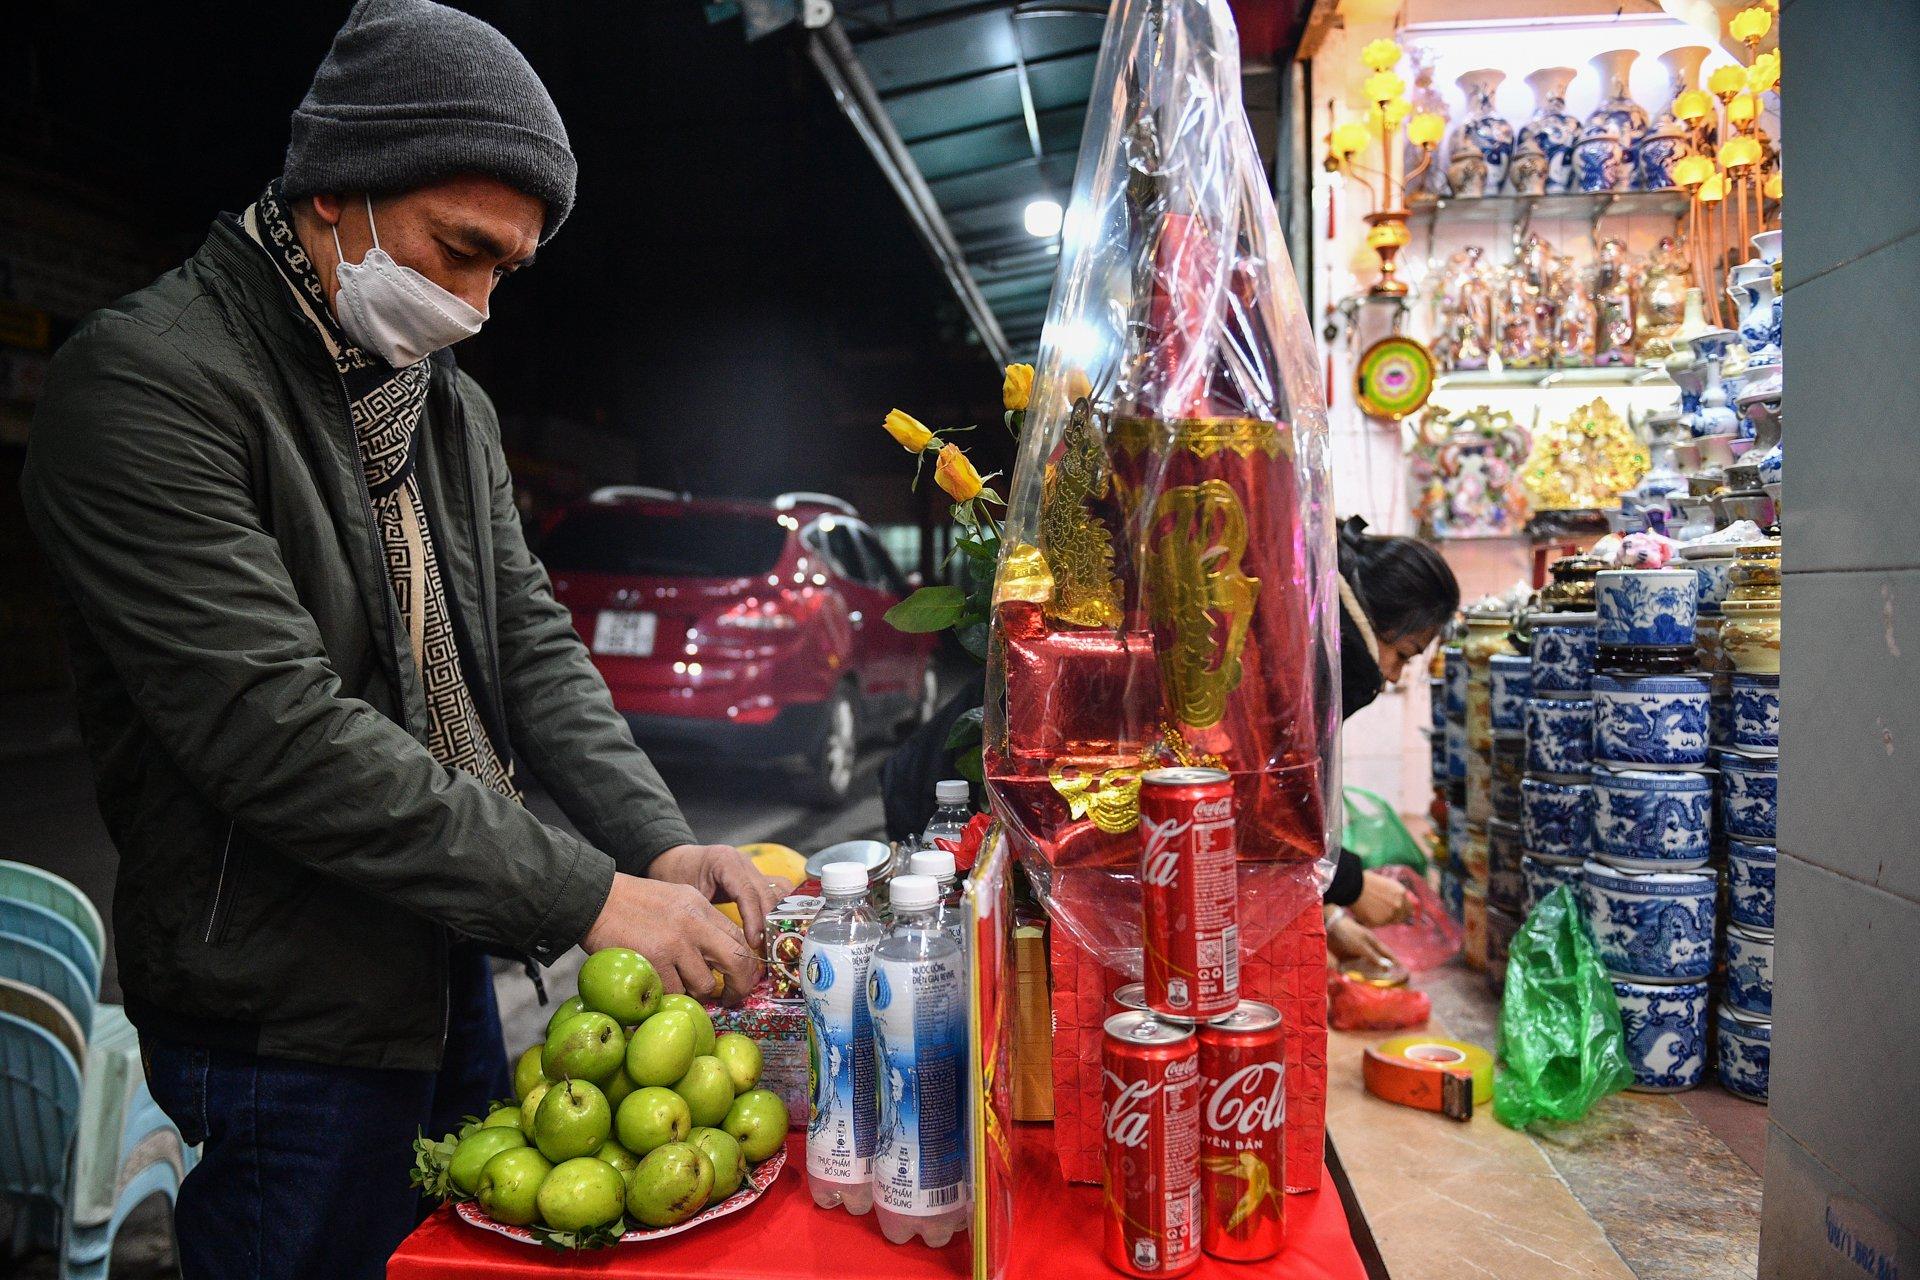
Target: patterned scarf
[387, 406]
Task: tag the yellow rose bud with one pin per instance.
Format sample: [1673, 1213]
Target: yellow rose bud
[906, 429]
[956, 475]
[1018, 387]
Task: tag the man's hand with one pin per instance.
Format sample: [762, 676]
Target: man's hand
[676, 928]
[1350, 942]
[724, 874]
[1383, 900]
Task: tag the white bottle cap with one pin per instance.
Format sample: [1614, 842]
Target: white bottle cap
[914, 893]
[843, 877]
[952, 791]
[937, 863]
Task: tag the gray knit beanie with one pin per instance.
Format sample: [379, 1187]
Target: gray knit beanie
[412, 92]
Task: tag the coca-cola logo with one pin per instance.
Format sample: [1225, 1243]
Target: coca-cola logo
[1128, 1115]
[1220, 810]
[1161, 859]
[1251, 1100]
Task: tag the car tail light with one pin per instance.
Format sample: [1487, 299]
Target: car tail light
[782, 611]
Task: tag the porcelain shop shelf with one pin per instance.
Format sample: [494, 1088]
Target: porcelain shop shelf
[1518, 211]
[1618, 376]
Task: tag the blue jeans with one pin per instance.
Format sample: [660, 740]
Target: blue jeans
[304, 1168]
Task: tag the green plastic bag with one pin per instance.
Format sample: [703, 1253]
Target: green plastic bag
[1562, 1046]
[1375, 833]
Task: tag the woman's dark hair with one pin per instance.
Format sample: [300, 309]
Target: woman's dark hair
[1403, 584]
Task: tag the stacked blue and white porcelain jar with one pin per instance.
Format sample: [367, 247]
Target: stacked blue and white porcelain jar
[1451, 723]
[1651, 893]
[1510, 676]
[1556, 789]
[1749, 814]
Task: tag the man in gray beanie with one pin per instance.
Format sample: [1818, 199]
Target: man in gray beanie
[312, 652]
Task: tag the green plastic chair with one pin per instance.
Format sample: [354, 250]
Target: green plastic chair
[1375, 833]
[43, 888]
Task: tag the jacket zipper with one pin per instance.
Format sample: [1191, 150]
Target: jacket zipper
[216, 914]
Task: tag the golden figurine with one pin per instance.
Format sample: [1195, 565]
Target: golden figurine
[1585, 461]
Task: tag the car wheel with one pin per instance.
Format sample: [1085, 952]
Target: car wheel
[829, 775]
[925, 704]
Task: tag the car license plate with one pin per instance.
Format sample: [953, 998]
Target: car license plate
[626, 634]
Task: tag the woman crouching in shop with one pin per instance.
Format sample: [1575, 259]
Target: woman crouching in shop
[1397, 595]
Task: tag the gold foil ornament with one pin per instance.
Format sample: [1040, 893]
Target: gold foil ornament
[1195, 545]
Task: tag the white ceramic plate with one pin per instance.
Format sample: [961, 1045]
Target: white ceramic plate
[759, 1178]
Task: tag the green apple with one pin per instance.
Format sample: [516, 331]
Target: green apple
[502, 1118]
[708, 1090]
[619, 1157]
[662, 1048]
[722, 1150]
[581, 1194]
[564, 1010]
[621, 984]
[617, 1087]
[741, 1057]
[759, 1120]
[587, 1046]
[650, 1118]
[510, 1183]
[471, 1156]
[670, 1186]
[530, 1105]
[526, 1071]
[702, 1021]
[573, 1121]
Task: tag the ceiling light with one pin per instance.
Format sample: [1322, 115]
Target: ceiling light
[1043, 218]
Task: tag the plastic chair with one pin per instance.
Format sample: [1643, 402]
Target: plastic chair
[43, 888]
[40, 1099]
[43, 1011]
[39, 924]
[38, 965]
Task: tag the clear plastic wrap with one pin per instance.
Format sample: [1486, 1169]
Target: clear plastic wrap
[1166, 594]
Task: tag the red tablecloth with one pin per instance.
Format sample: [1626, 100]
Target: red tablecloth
[784, 1236]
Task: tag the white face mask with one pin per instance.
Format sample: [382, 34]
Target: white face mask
[395, 311]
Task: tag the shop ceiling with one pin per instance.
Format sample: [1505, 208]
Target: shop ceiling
[973, 110]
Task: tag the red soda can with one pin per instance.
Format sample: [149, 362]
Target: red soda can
[1243, 1111]
[1150, 1113]
[1131, 996]
[1189, 917]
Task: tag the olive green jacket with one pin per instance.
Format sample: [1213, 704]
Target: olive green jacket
[293, 861]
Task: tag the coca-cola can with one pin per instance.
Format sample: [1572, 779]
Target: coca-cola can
[1190, 918]
[1150, 1112]
[1243, 1112]
[1131, 996]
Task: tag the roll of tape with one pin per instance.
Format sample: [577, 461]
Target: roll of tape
[1430, 1073]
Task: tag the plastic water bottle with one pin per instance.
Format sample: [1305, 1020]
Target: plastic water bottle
[951, 914]
[835, 962]
[951, 814]
[917, 993]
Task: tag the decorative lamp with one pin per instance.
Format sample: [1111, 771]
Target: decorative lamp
[1426, 128]
[1727, 81]
[1694, 104]
[1383, 86]
[1380, 55]
[1691, 170]
[1764, 74]
[1750, 26]
[1389, 115]
[1713, 190]
[1348, 139]
[1774, 186]
[1743, 109]
[1739, 152]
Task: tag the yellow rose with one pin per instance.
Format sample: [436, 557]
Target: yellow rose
[1078, 388]
[906, 429]
[956, 475]
[1018, 388]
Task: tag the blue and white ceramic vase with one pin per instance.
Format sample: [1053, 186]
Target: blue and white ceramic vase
[1750, 883]
[1603, 154]
[1722, 723]
[1646, 608]
[1711, 564]
[1651, 720]
[1510, 677]
[1542, 874]
[1715, 416]
[1454, 664]
[1651, 926]
[1482, 132]
[1756, 713]
[1509, 764]
[1744, 1052]
[1506, 885]
[1556, 818]
[1559, 735]
[1552, 129]
[1648, 821]
[1666, 1030]
[1668, 140]
[1749, 795]
[1750, 287]
[1750, 969]
[1456, 742]
[1563, 650]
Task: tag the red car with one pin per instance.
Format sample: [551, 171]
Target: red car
[751, 629]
